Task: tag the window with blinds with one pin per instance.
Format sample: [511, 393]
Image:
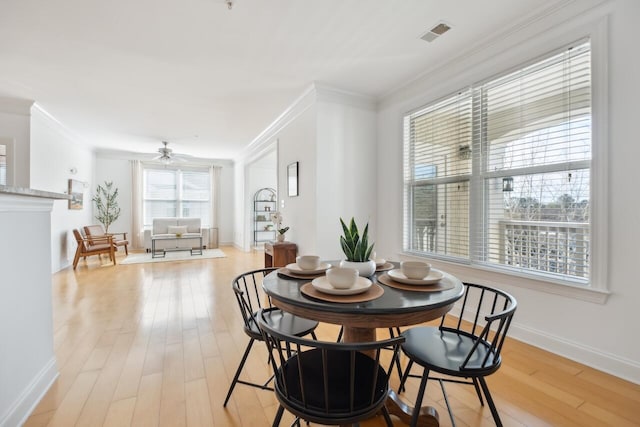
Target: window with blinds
[500, 174]
[436, 176]
[176, 193]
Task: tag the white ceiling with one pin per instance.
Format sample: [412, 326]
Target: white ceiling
[126, 74]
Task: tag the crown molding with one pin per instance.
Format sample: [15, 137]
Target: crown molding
[57, 126]
[16, 106]
[327, 93]
[264, 139]
[314, 93]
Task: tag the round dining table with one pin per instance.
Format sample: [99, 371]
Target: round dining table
[396, 307]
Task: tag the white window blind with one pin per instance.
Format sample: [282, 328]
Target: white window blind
[176, 193]
[436, 176]
[519, 198]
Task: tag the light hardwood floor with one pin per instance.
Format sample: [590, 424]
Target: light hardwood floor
[157, 345]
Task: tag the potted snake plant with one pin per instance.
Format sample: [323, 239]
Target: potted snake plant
[357, 249]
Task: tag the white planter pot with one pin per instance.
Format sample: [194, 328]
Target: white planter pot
[365, 269]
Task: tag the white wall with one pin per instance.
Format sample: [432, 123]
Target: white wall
[27, 360]
[15, 116]
[297, 143]
[601, 335]
[54, 151]
[332, 135]
[345, 167]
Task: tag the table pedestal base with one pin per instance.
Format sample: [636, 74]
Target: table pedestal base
[351, 334]
[428, 416]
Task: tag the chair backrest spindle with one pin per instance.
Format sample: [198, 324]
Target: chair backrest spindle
[247, 290]
[489, 323]
[326, 381]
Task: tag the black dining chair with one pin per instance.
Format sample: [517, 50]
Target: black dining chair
[393, 332]
[462, 349]
[248, 291]
[328, 382]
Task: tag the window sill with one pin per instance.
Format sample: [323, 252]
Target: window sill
[483, 274]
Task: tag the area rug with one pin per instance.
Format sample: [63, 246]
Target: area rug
[173, 256]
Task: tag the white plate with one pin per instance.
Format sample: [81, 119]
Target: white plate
[322, 284]
[380, 262]
[295, 268]
[434, 277]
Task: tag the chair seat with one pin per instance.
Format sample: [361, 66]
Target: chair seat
[96, 235]
[286, 322]
[338, 391]
[98, 248]
[444, 351]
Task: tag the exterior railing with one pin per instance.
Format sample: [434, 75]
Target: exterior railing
[556, 247]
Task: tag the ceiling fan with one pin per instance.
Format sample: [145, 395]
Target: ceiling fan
[167, 156]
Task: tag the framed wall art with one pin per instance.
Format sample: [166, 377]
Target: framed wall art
[76, 191]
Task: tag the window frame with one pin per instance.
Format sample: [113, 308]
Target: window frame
[596, 290]
[179, 200]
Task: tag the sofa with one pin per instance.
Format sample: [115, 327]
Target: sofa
[188, 228]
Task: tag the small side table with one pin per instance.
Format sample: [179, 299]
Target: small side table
[279, 254]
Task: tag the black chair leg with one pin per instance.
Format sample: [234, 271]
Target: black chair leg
[276, 420]
[403, 380]
[419, 396]
[387, 417]
[492, 406]
[237, 375]
[392, 334]
[446, 400]
[477, 386]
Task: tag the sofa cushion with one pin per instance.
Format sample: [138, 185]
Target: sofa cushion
[193, 224]
[177, 229]
[161, 225]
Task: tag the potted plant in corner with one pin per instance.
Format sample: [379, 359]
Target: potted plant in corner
[357, 249]
[106, 200]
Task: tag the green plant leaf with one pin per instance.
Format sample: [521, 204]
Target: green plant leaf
[106, 201]
[355, 246]
[346, 249]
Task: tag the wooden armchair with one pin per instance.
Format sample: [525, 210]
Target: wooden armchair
[93, 231]
[101, 245]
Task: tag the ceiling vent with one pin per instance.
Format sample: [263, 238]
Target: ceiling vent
[439, 29]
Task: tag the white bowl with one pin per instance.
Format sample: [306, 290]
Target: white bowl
[308, 262]
[342, 278]
[415, 269]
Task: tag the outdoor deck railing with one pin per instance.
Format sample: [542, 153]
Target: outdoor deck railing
[556, 247]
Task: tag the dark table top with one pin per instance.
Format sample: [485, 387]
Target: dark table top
[392, 302]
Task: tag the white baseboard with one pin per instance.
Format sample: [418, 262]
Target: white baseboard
[595, 358]
[26, 402]
[607, 362]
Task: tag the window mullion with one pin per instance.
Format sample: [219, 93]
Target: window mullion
[476, 203]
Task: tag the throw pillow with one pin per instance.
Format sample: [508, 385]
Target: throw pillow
[178, 230]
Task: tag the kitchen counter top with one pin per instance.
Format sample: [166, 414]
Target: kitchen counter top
[29, 192]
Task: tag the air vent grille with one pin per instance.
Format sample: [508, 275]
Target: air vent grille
[436, 31]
